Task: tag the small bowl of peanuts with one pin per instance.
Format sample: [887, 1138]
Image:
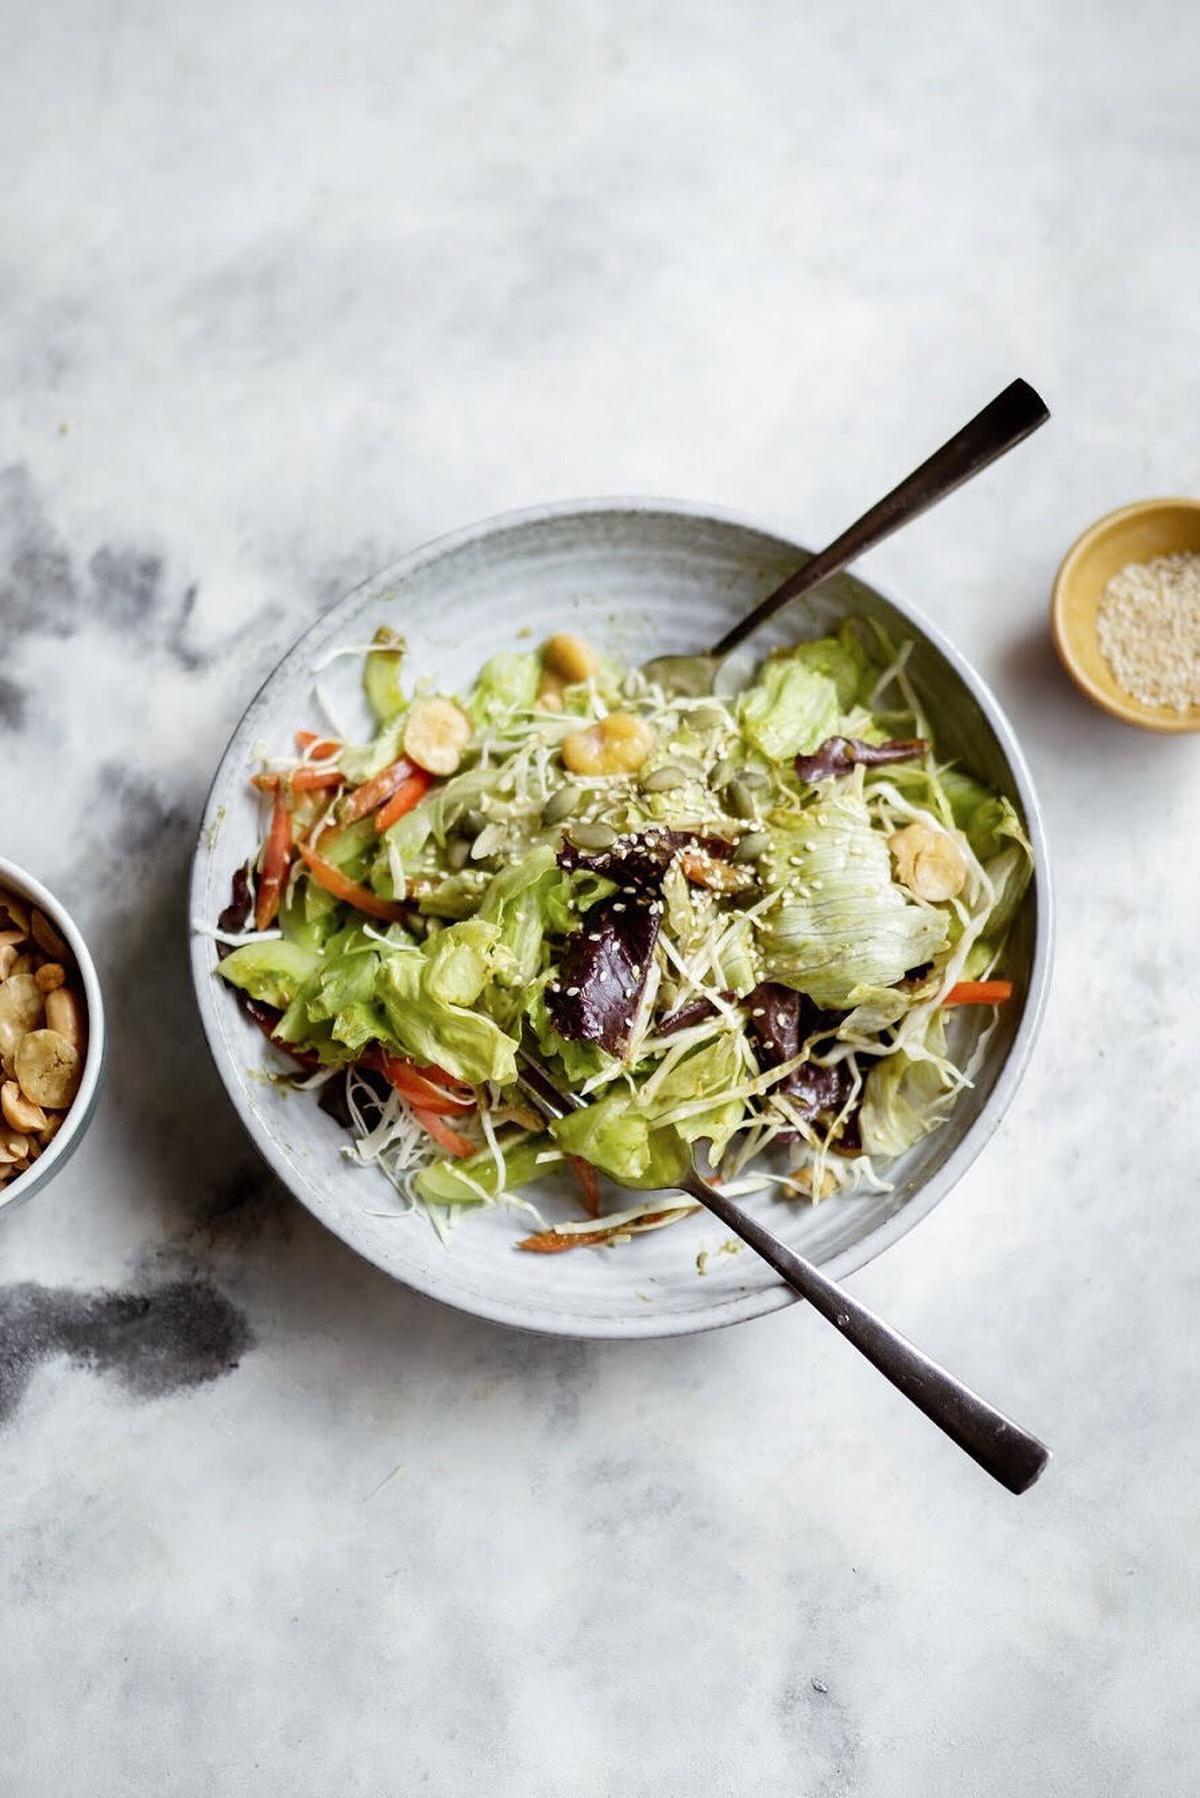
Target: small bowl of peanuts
[51, 1035]
[1126, 614]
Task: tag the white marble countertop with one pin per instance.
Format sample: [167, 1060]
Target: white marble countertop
[283, 291]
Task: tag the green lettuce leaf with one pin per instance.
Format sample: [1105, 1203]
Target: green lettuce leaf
[468, 1044]
[849, 925]
[381, 676]
[790, 710]
[902, 1102]
[447, 1182]
[506, 682]
[616, 1137]
[273, 972]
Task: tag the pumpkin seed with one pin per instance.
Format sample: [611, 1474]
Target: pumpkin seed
[490, 838]
[740, 800]
[560, 805]
[457, 851]
[752, 845]
[754, 777]
[592, 836]
[664, 780]
[708, 717]
[472, 822]
[724, 772]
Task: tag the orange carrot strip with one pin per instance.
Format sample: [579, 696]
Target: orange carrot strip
[276, 858]
[342, 887]
[409, 793]
[585, 1173]
[373, 792]
[421, 1092]
[300, 780]
[443, 1135]
[554, 1242]
[979, 992]
[320, 748]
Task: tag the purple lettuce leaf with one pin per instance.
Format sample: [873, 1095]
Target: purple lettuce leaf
[838, 755]
[780, 1022]
[604, 966]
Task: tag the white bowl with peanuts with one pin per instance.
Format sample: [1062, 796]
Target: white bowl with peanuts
[52, 1035]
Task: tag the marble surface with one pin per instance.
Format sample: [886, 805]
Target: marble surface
[283, 291]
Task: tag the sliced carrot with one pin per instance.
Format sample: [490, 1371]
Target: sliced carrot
[319, 748]
[554, 1242]
[276, 859]
[407, 795]
[371, 795]
[300, 780]
[585, 1173]
[342, 887]
[443, 1135]
[979, 992]
[413, 1084]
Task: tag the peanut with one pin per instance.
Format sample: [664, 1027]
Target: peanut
[570, 657]
[14, 1146]
[50, 975]
[20, 1112]
[436, 732]
[48, 1069]
[618, 744]
[47, 938]
[550, 692]
[928, 862]
[64, 1013]
[16, 910]
[8, 956]
[20, 1010]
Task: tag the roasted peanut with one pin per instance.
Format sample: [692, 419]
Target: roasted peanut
[19, 1112]
[14, 1146]
[48, 1069]
[928, 862]
[64, 1013]
[50, 975]
[618, 744]
[550, 692]
[20, 1010]
[704, 870]
[804, 1178]
[8, 956]
[17, 911]
[46, 937]
[570, 657]
[436, 732]
[51, 1128]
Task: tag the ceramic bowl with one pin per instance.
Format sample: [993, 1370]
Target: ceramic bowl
[1149, 527]
[639, 578]
[80, 1115]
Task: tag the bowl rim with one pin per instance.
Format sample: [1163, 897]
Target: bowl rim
[773, 1296]
[1169, 724]
[43, 1170]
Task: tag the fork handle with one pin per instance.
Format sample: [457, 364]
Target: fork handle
[1010, 1454]
[1002, 424]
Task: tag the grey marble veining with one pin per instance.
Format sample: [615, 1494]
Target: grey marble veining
[283, 291]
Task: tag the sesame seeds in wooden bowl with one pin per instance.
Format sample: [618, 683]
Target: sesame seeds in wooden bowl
[1126, 614]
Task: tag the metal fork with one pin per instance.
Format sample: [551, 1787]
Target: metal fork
[1010, 1454]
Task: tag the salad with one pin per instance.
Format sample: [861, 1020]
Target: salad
[767, 920]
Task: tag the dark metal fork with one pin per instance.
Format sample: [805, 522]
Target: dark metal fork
[1010, 1454]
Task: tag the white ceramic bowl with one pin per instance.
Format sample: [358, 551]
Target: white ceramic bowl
[79, 1117]
[638, 577]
